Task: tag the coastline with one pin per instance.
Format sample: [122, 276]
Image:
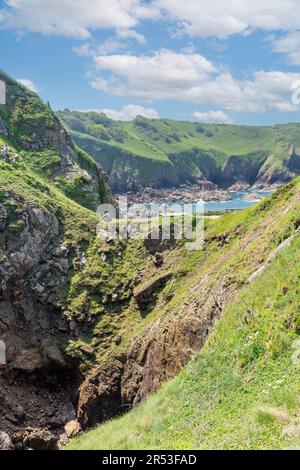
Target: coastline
[190, 193]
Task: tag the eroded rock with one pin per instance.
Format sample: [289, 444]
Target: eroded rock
[143, 294]
[5, 442]
[72, 428]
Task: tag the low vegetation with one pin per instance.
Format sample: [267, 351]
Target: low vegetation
[164, 152]
[241, 391]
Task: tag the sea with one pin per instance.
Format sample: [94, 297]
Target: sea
[237, 202]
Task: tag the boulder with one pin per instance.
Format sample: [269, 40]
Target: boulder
[72, 428]
[5, 442]
[143, 294]
[29, 360]
[40, 439]
[158, 259]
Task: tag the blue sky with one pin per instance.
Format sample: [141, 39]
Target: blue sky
[235, 61]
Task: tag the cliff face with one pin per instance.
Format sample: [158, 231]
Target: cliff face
[125, 171]
[47, 148]
[38, 381]
[58, 283]
[271, 173]
[164, 153]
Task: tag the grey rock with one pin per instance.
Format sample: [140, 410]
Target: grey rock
[5, 442]
[3, 129]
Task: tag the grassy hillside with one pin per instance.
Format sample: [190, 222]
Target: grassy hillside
[244, 367]
[37, 138]
[241, 391]
[153, 152]
[101, 324]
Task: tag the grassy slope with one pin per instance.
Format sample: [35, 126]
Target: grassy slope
[28, 118]
[231, 374]
[83, 292]
[159, 140]
[217, 400]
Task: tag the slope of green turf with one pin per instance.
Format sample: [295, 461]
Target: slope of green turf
[216, 152]
[242, 390]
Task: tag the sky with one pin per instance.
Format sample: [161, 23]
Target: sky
[216, 61]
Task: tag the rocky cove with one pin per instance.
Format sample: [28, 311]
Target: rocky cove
[236, 197]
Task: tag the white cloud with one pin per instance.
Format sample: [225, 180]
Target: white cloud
[28, 84]
[213, 117]
[109, 46]
[130, 33]
[167, 75]
[215, 18]
[75, 18]
[130, 112]
[221, 19]
[85, 50]
[127, 113]
[289, 45]
[159, 76]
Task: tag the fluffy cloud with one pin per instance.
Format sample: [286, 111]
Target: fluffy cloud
[128, 112]
[167, 75]
[162, 75]
[213, 117]
[75, 18]
[289, 45]
[28, 84]
[194, 17]
[222, 19]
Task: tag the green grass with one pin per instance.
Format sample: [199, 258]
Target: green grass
[35, 133]
[187, 150]
[235, 392]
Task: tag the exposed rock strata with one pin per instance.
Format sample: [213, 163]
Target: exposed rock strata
[38, 383]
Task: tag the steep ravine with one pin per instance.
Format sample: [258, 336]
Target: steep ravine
[186, 321]
[92, 327]
[86, 337]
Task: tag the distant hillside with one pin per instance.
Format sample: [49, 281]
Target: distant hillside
[33, 132]
[166, 153]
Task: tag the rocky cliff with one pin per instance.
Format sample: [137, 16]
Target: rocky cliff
[165, 153]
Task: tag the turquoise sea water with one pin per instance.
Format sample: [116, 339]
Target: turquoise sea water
[237, 201]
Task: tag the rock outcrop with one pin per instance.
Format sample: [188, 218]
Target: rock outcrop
[38, 382]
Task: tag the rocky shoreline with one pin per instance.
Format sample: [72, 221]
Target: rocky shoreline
[188, 194]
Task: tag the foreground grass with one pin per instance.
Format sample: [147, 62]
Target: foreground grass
[240, 392]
